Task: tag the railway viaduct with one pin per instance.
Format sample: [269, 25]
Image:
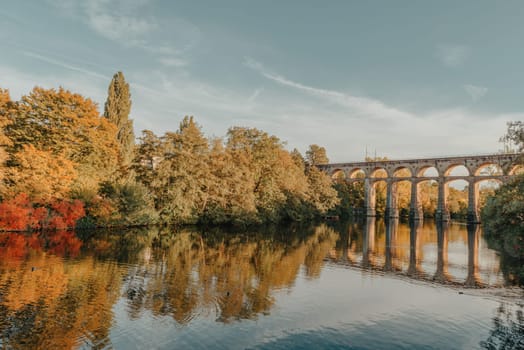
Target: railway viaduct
[499, 167]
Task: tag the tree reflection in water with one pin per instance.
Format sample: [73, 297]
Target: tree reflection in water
[234, 275]
[59, 290]
[508, 329]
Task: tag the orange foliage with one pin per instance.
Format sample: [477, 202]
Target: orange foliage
[19, 214]
[41, 174]
[68, 125]
[67, 214]
[15, 213]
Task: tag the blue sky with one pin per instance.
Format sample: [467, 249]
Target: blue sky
[404, 78]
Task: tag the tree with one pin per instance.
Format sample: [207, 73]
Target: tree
[132, 202]
[298, 159]
[514, 137]
[40, 174]
[503, 217]
[66, 125]
[316, 155]
[323, 195]
[179, 183]
[116, 110]
[5, 104]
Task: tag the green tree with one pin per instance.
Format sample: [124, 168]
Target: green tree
[116, 110]
[180, 182]
[322, 195]
[316, 155]
[273, 172]
[503, 217]
[513, 139]
[231, 197]
[133, 203]
[148, 154]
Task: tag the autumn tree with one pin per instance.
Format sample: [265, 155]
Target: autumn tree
[40, 174]
[179, 182]
[5, 103]
[116, 110]
[231, 198]
[263, 154]
[322, 195]
[66, 125]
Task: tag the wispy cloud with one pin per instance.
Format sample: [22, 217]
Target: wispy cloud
[475, 92]
[63, 64]
[128, 24]
[393, 131]
[452, 55]
[361, 105]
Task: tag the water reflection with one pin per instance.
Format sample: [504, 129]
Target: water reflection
[419, 250]
[61, 290]
[508, 328]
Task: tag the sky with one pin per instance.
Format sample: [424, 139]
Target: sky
[400, 79]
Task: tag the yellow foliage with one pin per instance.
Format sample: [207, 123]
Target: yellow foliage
[40, 174]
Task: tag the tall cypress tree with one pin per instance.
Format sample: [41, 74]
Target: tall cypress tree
[117, 108]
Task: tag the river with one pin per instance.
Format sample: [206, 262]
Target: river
[338, 285]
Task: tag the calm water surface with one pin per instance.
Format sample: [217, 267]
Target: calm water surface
[347, 285]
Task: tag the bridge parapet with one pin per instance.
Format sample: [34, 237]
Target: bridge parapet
[506, 162]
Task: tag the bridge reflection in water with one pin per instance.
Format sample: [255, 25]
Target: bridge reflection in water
[424, 251]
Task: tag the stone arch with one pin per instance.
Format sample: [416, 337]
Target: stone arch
[427, 193]
[378, 199]
[488, 168]
[402, 187]
[486, 187]
[516, 169]
[457, 197]
[338, 174]
[457, 167]
[356, 173]
[395, 172]
[421, 171]
[379, 172]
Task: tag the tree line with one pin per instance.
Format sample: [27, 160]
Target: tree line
[58, 151]
[503, 214]
[65, 164]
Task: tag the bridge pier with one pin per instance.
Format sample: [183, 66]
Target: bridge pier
[415, 210]
[391, 200]
[442, 213]
[369, 197]
[473, 194]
